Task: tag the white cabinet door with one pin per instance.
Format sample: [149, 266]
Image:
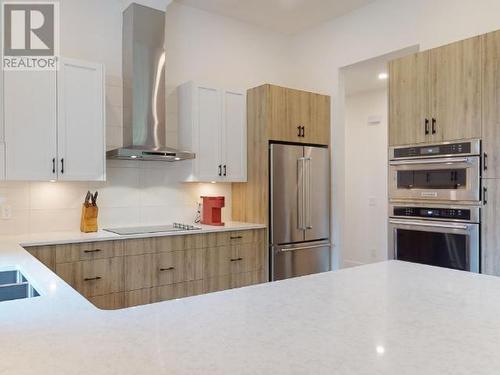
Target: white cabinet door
[81, 121]
[30, 125]
[207, 134]
[234, 136]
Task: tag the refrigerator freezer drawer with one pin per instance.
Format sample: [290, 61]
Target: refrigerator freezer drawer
[300, 259]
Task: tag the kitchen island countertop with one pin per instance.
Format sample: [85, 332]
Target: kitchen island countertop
[388, 318]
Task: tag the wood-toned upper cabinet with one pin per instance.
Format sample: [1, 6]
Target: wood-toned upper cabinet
[299, 116]
[456, 90]
[435, 95]
[491, 105]
[409, 122]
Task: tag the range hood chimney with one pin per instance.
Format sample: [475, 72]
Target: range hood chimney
[144, 88]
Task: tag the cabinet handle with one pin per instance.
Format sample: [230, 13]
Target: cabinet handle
[54, 166]
[220, 170]
[299, 128]
[434, 126]
[426, 126]
[236, 259]
[62, 166]
[236, 238]
[225, 170]
[167, 269]
[485, 195]
[485, 161]
[92, 278]
[91, 251]
[303, 131]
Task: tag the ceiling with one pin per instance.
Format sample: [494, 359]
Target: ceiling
[363, 76]
[285, 16]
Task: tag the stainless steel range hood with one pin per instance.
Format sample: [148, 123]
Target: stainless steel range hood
[144, 88]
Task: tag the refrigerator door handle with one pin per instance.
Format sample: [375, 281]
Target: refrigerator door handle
[301, 193]
[308, 183]
[288, 249]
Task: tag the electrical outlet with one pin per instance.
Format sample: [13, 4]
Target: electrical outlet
[6, 212]
[373, 254]
[372, 201]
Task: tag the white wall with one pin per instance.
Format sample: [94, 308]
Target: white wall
[366, 178]
[379, 28]
[200, 46]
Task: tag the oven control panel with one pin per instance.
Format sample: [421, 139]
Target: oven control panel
[433, 213]
[433, 150]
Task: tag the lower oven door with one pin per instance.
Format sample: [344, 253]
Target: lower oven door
[436, 243]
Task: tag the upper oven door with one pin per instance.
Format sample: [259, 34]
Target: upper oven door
[440, 179]
[435, 243]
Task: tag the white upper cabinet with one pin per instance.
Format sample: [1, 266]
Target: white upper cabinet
[212, 124]
[81, 118]
[30, 125]
[55, 123]
[234, 135]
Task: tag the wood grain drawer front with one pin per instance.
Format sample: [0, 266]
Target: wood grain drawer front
[138, 297]
[140, 246]
[45, 254]
[232, 281]
[170, 268]
[111, 301]
[88, 251]
[233, 259]
[170, 243]
[179, 290]
[246, 236]
[139, 271]
[94, 277]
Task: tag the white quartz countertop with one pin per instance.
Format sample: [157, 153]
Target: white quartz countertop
[57, 238]
[390, 318]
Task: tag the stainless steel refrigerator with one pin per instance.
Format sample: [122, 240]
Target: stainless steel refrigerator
[300, 210]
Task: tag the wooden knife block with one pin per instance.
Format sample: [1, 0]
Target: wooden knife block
[88, 223]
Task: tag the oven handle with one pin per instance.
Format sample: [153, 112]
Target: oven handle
[430, 161]
[435, 225]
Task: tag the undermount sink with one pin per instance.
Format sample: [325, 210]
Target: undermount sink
[13, 285]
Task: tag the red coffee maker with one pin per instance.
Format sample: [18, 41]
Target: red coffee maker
[212, 210]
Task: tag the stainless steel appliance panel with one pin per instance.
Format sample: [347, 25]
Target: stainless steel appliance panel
[317, 192]
[435, 179]
[287, 193]
[438, 243]
[300, 259]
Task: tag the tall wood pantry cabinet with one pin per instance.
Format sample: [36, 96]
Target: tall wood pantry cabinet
[435, 95]
[54, 123]
[276, 114]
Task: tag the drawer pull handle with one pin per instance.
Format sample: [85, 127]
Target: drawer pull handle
[236, 238]
[91, 251]
[236, 259]
[92, 278]
[167, 269]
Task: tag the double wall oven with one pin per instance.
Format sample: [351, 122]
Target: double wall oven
[435, 198]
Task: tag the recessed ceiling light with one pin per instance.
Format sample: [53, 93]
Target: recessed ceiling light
[383, 76]
[133, 157]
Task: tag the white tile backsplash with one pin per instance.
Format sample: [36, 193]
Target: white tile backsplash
[135, 193]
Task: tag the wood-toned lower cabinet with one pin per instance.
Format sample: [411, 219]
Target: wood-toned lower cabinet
[490, 222]
[94, 277]
[118, 274]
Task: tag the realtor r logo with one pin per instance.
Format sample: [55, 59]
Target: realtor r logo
[31, 35]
